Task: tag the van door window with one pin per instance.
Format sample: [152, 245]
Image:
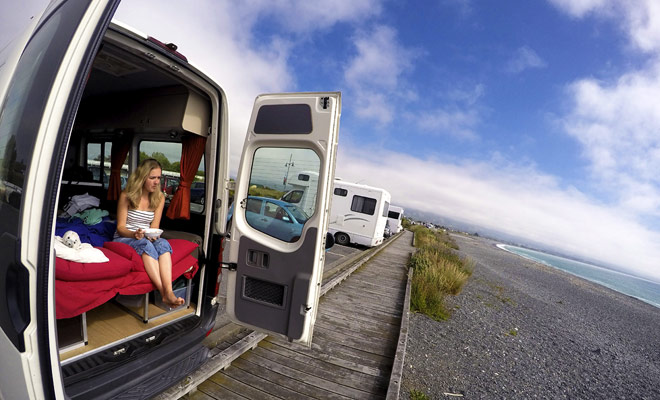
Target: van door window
[99, 155]
[168, 154]
[283, 217]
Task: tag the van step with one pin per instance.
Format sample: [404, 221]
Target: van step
[160, 382]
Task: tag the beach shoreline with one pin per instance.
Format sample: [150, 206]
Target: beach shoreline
[522, 329]
[652, 298]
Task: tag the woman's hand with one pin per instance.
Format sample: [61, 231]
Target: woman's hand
[139, 234]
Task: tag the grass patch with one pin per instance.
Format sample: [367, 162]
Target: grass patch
[439, 272]
[255, 190]
[417, 395]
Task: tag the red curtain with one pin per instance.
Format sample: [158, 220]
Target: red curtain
[120, 147]
[191, 155]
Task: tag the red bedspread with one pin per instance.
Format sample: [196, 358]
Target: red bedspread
[79, 287]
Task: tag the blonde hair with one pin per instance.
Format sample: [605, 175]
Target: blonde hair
[136, 183]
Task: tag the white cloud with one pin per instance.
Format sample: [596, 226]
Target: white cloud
[580, 8]
[375, 73]
[304, 16]
[618, 125]
[525, 58]
[618, 122]
[640, 19]
[516, 200]
[457, 123]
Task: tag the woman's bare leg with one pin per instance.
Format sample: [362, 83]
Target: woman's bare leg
[165, 268]
[151, 267]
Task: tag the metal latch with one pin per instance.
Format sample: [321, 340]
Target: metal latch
[230, 266]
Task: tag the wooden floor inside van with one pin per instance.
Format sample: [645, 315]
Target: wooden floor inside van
[110, 323]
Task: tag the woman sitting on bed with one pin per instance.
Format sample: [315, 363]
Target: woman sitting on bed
[140, 207]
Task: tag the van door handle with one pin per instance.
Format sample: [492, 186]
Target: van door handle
[14, 284]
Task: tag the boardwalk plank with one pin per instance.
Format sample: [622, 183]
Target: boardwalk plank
[387, 340]
[325, 357]
[364, 319]
[367, 344]
[257, 378]
[341, 376]
[211, 390]
[244, 389]
[277, 379]
[320, 384]
[350, 321]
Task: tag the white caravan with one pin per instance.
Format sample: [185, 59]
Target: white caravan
[394, 216]
[301, 195]
[73, 86]
[358, 214]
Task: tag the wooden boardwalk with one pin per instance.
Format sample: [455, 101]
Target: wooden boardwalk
[354, 344]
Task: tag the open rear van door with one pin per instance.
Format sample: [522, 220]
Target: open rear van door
[42, 75]
[276, 250]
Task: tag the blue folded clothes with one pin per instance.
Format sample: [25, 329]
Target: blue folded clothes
[95, 235]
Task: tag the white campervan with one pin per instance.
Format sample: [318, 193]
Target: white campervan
[75, 88]
[394, 216]
[303, 190]
[358, 214]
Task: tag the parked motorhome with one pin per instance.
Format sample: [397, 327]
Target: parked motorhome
[86, 330]
[394, 216]
[358, 214]
[300, 193]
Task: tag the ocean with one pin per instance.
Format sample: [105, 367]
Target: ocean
[642, 289]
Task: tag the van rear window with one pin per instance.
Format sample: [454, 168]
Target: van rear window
[284, 119]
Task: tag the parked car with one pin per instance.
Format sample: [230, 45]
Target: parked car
[276, 218]
[169, 184]
[197, 193]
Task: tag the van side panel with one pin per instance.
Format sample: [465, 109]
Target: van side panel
[23, 115]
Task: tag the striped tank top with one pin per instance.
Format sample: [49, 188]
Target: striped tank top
[137, 219]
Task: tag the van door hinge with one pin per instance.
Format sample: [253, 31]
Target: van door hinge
[230, 266]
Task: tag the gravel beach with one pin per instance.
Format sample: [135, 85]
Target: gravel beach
[523, 330]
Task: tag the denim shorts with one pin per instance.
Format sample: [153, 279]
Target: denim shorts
[154, 249]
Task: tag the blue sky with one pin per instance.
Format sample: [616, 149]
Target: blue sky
[538, 119]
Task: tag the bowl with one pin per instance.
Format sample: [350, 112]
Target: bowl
[152, 232]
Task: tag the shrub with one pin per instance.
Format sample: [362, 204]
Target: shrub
[439, 272]
[417, 395]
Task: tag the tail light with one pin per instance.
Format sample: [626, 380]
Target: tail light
[169, 47]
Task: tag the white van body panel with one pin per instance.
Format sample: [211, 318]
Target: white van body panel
[362, 229]
[308, 199]
[29, 385]
[395, 223]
